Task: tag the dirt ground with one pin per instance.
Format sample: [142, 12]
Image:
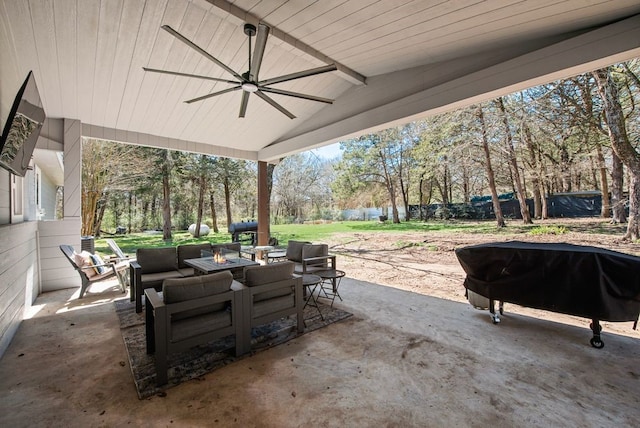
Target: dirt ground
[425, 262]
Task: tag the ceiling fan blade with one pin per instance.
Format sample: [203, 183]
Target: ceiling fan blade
[197, 76]
[204, 97]
[297, 95]
[198, 49]
[275, 104]
[258, 51]
[243, 103]
[299, 75]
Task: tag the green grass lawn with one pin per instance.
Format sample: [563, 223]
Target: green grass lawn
[320, 232]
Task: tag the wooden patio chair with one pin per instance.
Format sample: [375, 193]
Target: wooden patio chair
[94, 272]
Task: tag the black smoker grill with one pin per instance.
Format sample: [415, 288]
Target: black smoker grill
[244, 232]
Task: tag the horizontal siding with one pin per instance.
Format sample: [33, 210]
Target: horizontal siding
[56, 271]
[19, 276]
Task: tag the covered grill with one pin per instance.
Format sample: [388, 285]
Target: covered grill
[584, 281]
[244, 232]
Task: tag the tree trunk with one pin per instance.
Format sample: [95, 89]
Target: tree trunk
[201, 188]
[490, 175]
[513, 162]
[227, 200]
[622, 146]
[421, 197]
[214, 215]
[535, 181]
[405, 200]
[617, 191]
[605, 211]
[166, 199]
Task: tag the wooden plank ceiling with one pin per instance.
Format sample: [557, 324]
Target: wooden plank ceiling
[88, 55]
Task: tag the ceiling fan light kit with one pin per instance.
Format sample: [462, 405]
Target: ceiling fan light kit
[249, 82]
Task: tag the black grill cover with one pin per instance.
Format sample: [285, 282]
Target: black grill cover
[577, 280]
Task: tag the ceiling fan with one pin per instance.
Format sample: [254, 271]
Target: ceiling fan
[249, 82]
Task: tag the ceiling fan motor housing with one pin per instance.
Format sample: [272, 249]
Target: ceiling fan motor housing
[250, 30]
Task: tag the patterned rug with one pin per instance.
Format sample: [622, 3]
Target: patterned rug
[203, 359]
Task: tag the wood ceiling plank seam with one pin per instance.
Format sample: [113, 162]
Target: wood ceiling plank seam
[131, 18]
[391, 21]
[393, 40]
[204, 67]
[319, 24]
[11, 71]
[348, 73]
[287, 10]
[137, 95]
[207, 108]
[162, 48]
[262, 7]
[87, 51]
[389, 40]
[45, 46]
[66, 48]
[145, 40]
[357, 13]
[510, 37]
[175, 91]
[314, 12]
[106, 50]
[190, 21]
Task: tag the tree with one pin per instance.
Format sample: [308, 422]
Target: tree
[513, 162]
[372, 160]
[106, 167]
[629, 156]
[497, 210]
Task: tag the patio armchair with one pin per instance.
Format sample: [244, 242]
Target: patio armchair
[271, 292]
[189, 312]
[92, 269]
[310, 258]
[119, 254]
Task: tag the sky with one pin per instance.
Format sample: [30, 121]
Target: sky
[328, 152]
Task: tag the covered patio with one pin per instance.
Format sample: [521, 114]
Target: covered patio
[403, 359]
[395, 62]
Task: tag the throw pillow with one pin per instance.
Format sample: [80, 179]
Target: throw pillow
[84, 259]
[97, 261]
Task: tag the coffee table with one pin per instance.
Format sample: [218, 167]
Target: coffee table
[206, 265]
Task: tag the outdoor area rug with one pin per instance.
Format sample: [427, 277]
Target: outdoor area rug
[203, 359]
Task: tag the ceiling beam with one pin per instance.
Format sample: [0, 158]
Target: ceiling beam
[400, 97]
[349, 74]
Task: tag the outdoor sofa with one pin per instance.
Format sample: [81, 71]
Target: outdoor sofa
[195, 310]
[153, 265]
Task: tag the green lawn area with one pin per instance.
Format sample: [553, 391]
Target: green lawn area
[320, 232]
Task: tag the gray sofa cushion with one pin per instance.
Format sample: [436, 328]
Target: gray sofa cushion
[156, 279]
[294, 250]
[266, 274]
[266, 307]
[189, 327]
[182, 289]
[190, 251]
[154, 260]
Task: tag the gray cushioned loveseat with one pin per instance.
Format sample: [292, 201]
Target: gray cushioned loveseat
[153, 265]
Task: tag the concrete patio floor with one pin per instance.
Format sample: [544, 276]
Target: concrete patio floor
[403, 359]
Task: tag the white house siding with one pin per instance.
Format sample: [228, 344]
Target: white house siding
[5, 196]
[19, 276]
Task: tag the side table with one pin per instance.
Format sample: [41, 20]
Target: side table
[330, 283]
[310, 283]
